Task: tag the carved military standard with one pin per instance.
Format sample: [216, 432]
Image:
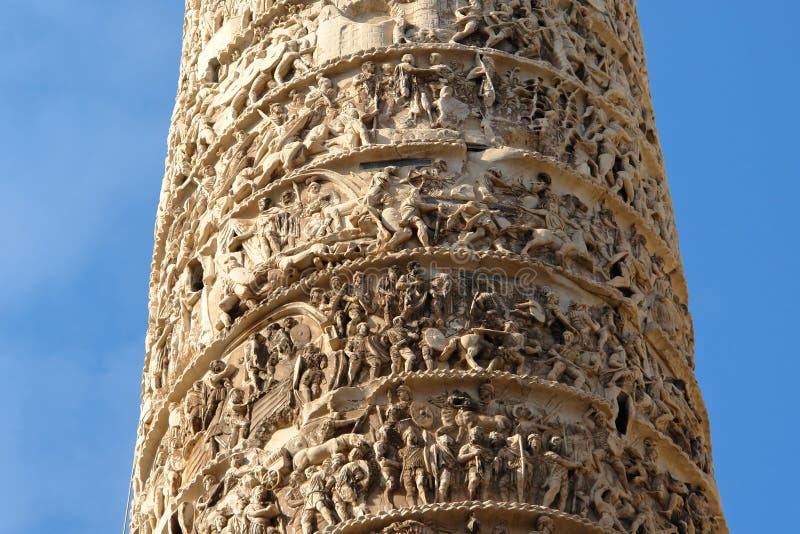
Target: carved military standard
[416, 271]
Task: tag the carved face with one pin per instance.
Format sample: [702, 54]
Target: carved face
[523, 413]
[258, 495]
[544, 522]
[337, 461]
[355, 313]
[412, 440]
[476, 435]
[403, 394]
[287, 197]
[496, 438]
[317, 295]
[552, 298]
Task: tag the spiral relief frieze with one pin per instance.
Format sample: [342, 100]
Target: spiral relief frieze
[416, 270]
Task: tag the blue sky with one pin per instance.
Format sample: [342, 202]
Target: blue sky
[87, 90]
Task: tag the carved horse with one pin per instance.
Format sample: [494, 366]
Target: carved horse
[566, 248]
[469, 346]
[319, 453]
[488, 423]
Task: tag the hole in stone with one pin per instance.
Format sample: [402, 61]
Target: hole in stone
[175, 524]
[623, 415]
[396, 163]
[476, 148]
[212, 71]
[196, 272]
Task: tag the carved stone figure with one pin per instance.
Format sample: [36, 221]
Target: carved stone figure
[445, 466]
[399, 338]
[316, 502]
[557, 483]
[477, 461]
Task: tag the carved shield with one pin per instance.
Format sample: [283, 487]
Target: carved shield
[435, 339]
[300, 334]
[423, 415]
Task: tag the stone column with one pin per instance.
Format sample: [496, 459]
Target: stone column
[416, 270]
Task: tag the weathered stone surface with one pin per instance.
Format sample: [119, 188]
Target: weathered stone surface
[416, 271]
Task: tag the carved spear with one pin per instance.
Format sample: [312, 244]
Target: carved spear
[522, 470]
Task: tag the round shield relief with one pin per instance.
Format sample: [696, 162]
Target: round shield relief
[434, 338]
[300, 334]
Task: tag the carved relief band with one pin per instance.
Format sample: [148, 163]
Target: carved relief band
[416, 271]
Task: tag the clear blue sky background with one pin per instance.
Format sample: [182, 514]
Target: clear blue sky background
[86, 93]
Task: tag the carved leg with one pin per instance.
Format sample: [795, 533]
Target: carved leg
[550, 495]
[421, 490]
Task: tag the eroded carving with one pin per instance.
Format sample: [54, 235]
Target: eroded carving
[416, 272]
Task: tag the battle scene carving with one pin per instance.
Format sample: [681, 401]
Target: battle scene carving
[416, 272]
